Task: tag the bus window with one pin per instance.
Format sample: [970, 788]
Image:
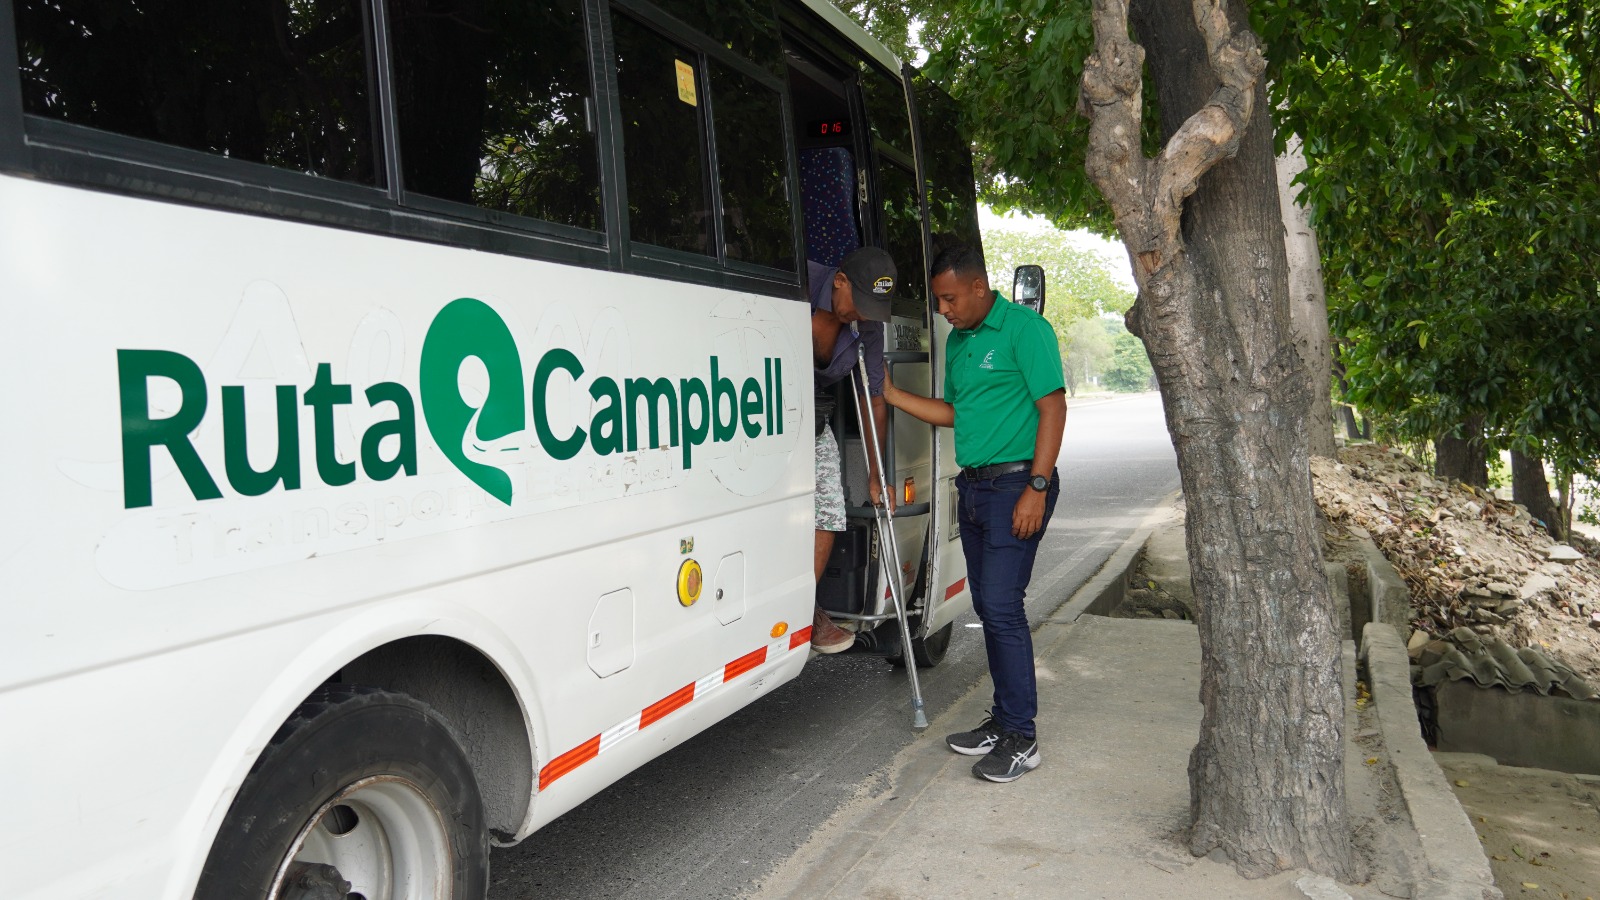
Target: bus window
[493, 106]
[902, 222]
[947, 164]
[658, 84]
[885, 98]
[753, 170]
[747, 27]
[257, 80]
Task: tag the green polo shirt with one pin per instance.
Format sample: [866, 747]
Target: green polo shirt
[993, 375]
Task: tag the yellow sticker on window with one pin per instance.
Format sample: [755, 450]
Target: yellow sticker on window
[686, 82]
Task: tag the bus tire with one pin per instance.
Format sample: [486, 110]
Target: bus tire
[928, 651]
[362, 791]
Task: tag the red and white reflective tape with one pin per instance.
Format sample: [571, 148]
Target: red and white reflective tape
[955, 589]
[678, 699]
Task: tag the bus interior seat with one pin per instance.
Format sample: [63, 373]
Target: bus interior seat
[827, 191]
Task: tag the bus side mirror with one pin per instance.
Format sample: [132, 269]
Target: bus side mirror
[1027, 287]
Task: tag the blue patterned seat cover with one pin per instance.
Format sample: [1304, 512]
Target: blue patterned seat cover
[827, 191]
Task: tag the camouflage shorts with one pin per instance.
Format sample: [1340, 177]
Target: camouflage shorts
[830, 485]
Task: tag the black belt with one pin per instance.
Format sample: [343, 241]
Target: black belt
[987, 473]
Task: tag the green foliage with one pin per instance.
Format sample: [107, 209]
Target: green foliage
[1085, 351]
[1013, 65]
[1453, 171]
[1129, 370]
[1453, 168]
[1585, 502]
[1078, 282]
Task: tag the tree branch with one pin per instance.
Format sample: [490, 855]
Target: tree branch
[1212, 133]
[1148, 207]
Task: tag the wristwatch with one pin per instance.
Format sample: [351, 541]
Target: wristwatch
[1039, 483]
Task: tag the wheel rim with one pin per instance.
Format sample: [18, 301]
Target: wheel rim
[382, 835]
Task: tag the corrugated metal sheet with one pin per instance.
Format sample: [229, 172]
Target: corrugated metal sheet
[1494, 663]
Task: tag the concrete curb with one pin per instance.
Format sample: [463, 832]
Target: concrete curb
[1457, 868]
[1101, 594]
[1388, 599]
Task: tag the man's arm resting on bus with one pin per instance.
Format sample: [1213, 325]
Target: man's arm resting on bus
[928, 409]
[1027, 517]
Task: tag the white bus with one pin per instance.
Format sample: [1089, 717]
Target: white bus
[407, 427]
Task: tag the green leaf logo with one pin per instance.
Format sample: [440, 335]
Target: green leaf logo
[470, 328]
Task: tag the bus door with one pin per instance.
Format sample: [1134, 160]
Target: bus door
[859, 186]
[944, 159]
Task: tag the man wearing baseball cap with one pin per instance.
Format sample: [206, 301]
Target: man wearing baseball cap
[858, 292]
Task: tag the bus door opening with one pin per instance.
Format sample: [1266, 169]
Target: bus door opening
[831, 195]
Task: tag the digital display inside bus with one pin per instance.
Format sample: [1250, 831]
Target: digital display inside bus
[829, 127]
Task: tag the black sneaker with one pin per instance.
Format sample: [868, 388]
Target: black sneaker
[1012, 756]
[976, 742]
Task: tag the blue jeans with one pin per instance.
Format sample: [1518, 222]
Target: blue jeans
[998, 568]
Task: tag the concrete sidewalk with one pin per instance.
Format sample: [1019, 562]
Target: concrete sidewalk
[1100, 818]
[1103, 816]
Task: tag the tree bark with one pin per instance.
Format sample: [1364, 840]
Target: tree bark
[1530, 488]
[1267, 775]
[1463, 457]
[1348, 414]
[1308, 302]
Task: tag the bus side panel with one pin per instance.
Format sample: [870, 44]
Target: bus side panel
[231, 437]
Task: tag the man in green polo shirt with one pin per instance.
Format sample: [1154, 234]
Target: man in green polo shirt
[1005, 396]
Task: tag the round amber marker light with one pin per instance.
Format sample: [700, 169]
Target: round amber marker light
[780, 629]
[690, 580]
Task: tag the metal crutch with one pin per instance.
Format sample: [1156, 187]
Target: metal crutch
[881, 517]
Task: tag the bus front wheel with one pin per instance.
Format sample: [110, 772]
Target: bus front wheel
[363, 792]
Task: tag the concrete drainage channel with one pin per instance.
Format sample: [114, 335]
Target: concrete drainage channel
[1453, 865]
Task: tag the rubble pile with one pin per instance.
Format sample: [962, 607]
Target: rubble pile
[1469, 559]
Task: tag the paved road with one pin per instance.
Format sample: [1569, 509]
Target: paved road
[713, 816]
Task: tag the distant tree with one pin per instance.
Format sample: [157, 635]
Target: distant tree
[1085, 351]
[1129, 370]
[1079, 290]
[1079, 282]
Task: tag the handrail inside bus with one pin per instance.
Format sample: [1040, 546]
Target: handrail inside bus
[905, 356]
[903, 511]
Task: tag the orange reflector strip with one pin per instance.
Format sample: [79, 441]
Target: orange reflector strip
[955, 589]
[569, 760]
[666, 705]
[744, 664]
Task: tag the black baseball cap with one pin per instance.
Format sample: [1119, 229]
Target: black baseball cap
[872, 281]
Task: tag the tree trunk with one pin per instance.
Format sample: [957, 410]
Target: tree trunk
[1463, 457]
[1348, 411]
[1308, 302]
[1348, 414]
[1530, 488]
[1267, 775]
